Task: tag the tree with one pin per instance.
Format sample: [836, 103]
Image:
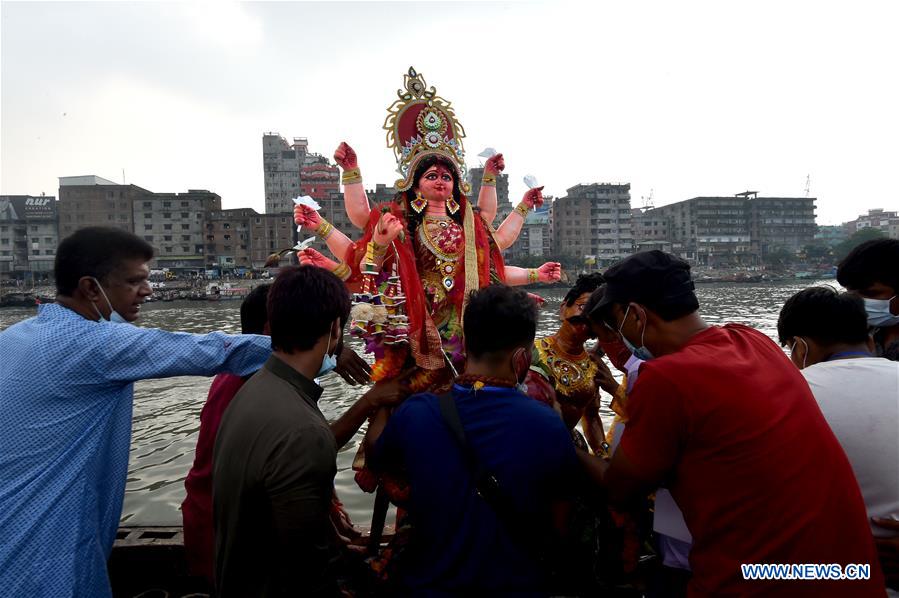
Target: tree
[778, 257]
[842, 249]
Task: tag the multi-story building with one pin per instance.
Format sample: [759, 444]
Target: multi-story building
[381, 194]
[728, 231]
[175, 225]
[281, 169]
[319, 179]
[270, 233]
[28, 234]
[242, 238]
[535, 239]
[885, 221]
[95, 201]
[593, 223]
[780, 223]
[831, 235]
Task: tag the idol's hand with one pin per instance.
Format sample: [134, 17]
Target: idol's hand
[345, 156]
[549, 272]
[311, 257]
[306, 216]
[495, 164]
[387, 229]
[533, 198]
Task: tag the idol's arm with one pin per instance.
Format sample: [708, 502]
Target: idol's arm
[487, 195]
[311, 257]
[509, 230]
[511, 227]
[487, 202]
[548, 272]
[356, 204]
[337, 242]
[355, 198]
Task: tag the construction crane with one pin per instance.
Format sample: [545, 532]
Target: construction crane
[808, 184]
[647, 200]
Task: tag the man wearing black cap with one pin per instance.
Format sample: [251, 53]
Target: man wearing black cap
[720, 417]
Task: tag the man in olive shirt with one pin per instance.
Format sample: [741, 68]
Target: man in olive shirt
[275, 455]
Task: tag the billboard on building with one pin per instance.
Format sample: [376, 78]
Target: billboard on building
[23, 207]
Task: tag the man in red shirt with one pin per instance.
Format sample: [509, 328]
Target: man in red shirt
[196, 510]
[721, 417]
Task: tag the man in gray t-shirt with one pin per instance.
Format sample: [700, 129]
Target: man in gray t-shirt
[275, 454]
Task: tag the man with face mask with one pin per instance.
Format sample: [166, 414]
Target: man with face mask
[722, 418]
[463, 543]
[858, 393]
[275, 455]
[66, 390]
[871, 271]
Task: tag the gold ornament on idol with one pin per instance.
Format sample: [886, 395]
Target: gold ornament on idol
[522, 210]
[419, 203]
[351, 176]
[488, 180]
[452, 206]
[324, 229]
[342, 271]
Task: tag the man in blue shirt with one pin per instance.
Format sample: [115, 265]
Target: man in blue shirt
[66, 390]
[463, 543]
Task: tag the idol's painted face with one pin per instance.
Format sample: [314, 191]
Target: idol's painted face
[436, 184]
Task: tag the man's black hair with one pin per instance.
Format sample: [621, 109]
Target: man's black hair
[95, 251]
[253, 310]
[872, 261]
[590, 307]
[302, 304]
[825, 316]
[499, 318]
[674, 307]
[585, 283]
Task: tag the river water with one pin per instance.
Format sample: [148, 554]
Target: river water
[167, 412]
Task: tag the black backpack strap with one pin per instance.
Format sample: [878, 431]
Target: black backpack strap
[488, 486]
[486, 483]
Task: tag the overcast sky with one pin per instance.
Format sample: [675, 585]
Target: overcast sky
[681, 98]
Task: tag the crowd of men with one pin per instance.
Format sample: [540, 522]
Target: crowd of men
[764, 458]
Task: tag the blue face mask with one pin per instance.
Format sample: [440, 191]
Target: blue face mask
[640, 352]
[879, 313]
[329, 362]
[114, 316]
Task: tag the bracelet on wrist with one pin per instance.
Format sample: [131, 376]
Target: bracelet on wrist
[374, 252]
[488, 180]
[324, 229]
[351, 176]
[522, 209]
[342, 271]
[533, 275]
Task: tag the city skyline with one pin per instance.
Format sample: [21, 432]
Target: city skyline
[729, 100]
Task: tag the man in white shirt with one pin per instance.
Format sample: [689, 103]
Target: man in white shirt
[827, 333]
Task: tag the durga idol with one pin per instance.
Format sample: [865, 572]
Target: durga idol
[421, 254]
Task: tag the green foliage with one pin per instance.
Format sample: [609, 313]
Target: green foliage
[842, 249]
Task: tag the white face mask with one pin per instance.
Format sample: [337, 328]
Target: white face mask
[329, 362]
[114, 316]
[879, 313]
[804, 357]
